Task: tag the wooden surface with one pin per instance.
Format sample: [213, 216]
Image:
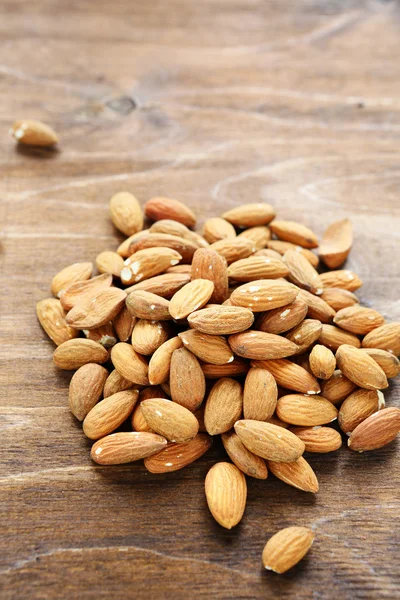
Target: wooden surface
[214, 102]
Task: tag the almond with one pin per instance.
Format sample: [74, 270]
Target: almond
[166, 208]
[192, 296]
[76, 292]
[338, 298]
[250, 215]
[257, 267]
[317, 308]
[187, 381]
[266, 252]
[33, 133]
[358, 320]
[290, 376]
[259, 345]
[269, 441]
[208, 264]
[260, 395]
[282, 247]
[284, 318]
[72, 354]
[263, 294]
[377, 431]
[109, 414]
[164, 285]
[360, 368]
[145, 305]
[386, 337]
[86, 388]
[224, 406]
[177, 456]
[216, 229]
[95, 311]
[186, 269]
[337, 388]
[344, 279]
[138, 421]
[147, 263]
[186, 248]
[319, 439]
[333, 337]
[159, 366]
[209, 348]
[296, 233]
[170, 420]
[226, 493]
[260, 236]
[305, 410]
[305, 334]
[221, 320]
[357, 407]
[51, 316]
[298, 474]
[125, 447]
[322, 362]
[237, 367]
[126, 213]
[147, 336]
[302, 273]
[175, 228]
[104, 335]
[234, 249]
[286, 548]
[109, 262]
[130, 364]
[123, 324]
[251, 464]
[70, 275]
[336, 243]
[115, 383]
[387, 361]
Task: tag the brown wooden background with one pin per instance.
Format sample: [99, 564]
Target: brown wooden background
[214, 102]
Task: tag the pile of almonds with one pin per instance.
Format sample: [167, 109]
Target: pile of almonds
[232, 332]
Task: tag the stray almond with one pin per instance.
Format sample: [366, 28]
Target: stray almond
[286, 548]
[33, 133]
[226, 493]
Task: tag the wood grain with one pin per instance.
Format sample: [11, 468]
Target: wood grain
[213, 102]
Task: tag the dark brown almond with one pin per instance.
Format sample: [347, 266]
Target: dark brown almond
[237, 367]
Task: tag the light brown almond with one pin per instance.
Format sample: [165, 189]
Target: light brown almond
[307, 411]
[386, 337]
[259, 345]
[338, 298]
[130, 364]
[358, 319]
[226, 493]
[387, 361]
[317, 308]
[164, 285]
[138, 421]
[125, 447]
[109, 262]
[357, 407]
[33, 133]
[257, 267]
[208, 264]
[146, 305]
[209, 348]
[175, 228]
[123, 324]
[104, 335]
[187, 381]
[269, 441]
[250, 215]
[298, 474]
[166, 208]
[191, 297]
[319, 439]
[337, 388]
[260, 395]
[376, 431]
[148, 263]
[126, 213]
[147, 336]
[322, 362]
[333, 337]
[360, 368]
[282, 247]
[237, 367]
[116, 383]
[109, 414]
[186, 248]
[224, 406]
[282, 319]
[221, 320]
[76, 292]
[305, 334]
[266, 252]
[234, 249]
[251, 464]
[86, 388]
[345, 279]
[296, 233]
[302, 273]
[124, 248]
[51, 316]
[69, 275]
[336, 243]
[289, 375]
[160, 362]
[286, 548]
[264, 294]
[260, 236]
[177, 456]
[72, 354]
[216, 229]
[169, 419]
[95, 311]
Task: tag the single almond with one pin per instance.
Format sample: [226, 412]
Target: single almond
[221, 320]
[104, 335]
[260, 395]
[226, 493]
[337, 388]
[322, 362]
[360, 368]
[376, 431]
[298, 474]
[160, 362]
[302, 273]
[234, 249]
[336, 243]
[166, 208]
[237, 367]
[224, 406]
[186, 248]
[109, 262]
[116, 383]
[69, 275]
[164, 285]
[192, 296]
[307, 411]
[345, 279]
[148, 263]
[389, 363]
[109, 414]
[333, 337]
[130, 364]
[86, 388]
[269, 441]
[282, 247]
[187, 381]
[72, 354]
[169, 419]
[123, 324]
[126, 446]
[138, 421]
[282, 319]
[317, 308]
[208, 264]
[305, 334]
[259, 236]
[172, 227]
[216, 229]
[264, 294]
[385, 337]
[33, 133]
[357, 407]
[250, 215]
[177, 456]
[319, 439]
[76, 292]
[126, 213]
[95, 311]
[259, 345]
[251, 464]
[147, 336]
[257, 267]
[51, 316]
[209, 348]
[290, 376]
[286, 548]
[146, 305]
[338, 298]
[296, 233]
[358, 319]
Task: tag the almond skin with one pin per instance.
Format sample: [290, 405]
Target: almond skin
[387, 361]
[299, 234]
[360, 368]
[209, 348]
[86, 388]
[307, 411]
[319, 439]
[263, 294]
[208, 264]
[130, 364]
[187, 381]
[237, 367]
[51, 316]
[147, 263]
[298, 474]
[322, 362]
[282, 247]
[226, 493]
[161, 207]
[345, 279]
[160, 362]
[336, 243]
[337, 388]
[260, 395]
[93, 312]
[358, 319]
[69, 275]
[290, 376]
[116, 383]
[359, 406]
[333, 337]
[186, 248]
[221, 320]
[165, 285]
[224, 406]
[386, 337]
[72, 354]
[250, 215]
[191, 297]
[216, 229]
[246, 461]
[269, 441]
[76, 292]
[174, 422]
[257, 267]
[33, 133]
[284, 318]
[377, 431]
[147, 336]
[109, 414]
[177, 456]
[123, 324]
[286, 548]
[305, 334]
[125, 447]
[258, 345]
[317, 308]
[338, 298]
[260, 236]
[145, 305]
[302, 273]
[234, 249]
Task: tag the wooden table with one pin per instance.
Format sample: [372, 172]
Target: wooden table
[216, 102]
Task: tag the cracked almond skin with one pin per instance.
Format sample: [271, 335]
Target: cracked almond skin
[86, 388]
[209, 348]
[260, 395]
[259, 345]
[376, 431]
[386, 337]
[191, 297]
[126, 447]
[338, 298]
[257, 267]
[169, 419]
[359, 406]
[322, 362]
[302, 273]
[298, 474]
[282, 319]
[130, 364]
[360, 368]
[69, 275]
[319, 439]
[147, 263]
[286, 548]
[76, 292]
[208, 264]
[160, 208]
[116, 383]
[282, 247]
[317, 307]
[226, 494]
[216, 229]
[307, 411]
[221, 320]
[264, 294]
[389, 363]
[160, 362]
[93, 312]
[223, 406]
[251, 464]
[30, 132]
[177, 456]
[289, 375]
[290, 231]
[269, 441]
[336, 243]
[187, 381]
[126, 213]
[109, 414]
[358, 319]
[149, 306]
[337, 388]
[165, 285]
[51, 316]
[333, 337]
[72, 354]
[148, 336]
[305, 334]
[345, 279]
[186, 248]
[259, 235]
[250, 215]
